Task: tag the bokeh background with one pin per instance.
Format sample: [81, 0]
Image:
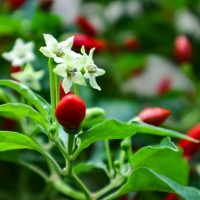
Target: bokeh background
[149, 49]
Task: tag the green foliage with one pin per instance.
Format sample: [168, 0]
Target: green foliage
[168, 156]
[36, 101]
[18, 111]
[145, 179]
[12, 140]
[113, 129]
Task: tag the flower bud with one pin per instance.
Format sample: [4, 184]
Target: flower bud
[190, 148]
[85, 25]
[154, 116]
[70, 112]
[183, 49]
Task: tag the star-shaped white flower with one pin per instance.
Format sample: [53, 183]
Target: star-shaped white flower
[22, 53]
[70, 69]
[55, 49]
[29, 77]
[91, 70]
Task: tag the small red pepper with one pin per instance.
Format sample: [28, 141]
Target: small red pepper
[164, 86]
[89, 42]
[171, 197]
[70, 112]
[15, 4]
[190, 148]
[131, 43]
[154, 116]
[15, 69]
[86, 26]
[183, 49]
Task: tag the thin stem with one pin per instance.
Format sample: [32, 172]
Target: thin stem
[70, 151]
[57, 88]
[76, 90]
[113, 184]
[81, 185]
[109, 157]
[122, 158]
[52, 88]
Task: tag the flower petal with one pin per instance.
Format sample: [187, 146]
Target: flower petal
[67, 84]
[46, 51]
[50, 41]
[79, 79]
[99, 72]
[67, 44]
[60, 70]
[93, 83]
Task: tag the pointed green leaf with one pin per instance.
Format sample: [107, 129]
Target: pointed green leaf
[163, 159]
[113, 129]
[38, 102]
[144, 179]
[13, 140]
[19, 110]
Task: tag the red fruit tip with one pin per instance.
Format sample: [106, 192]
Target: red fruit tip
[154, 116]
[189, 147]
[183, 49]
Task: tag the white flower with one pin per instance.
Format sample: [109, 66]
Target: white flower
[70, 69]
[55, 49]
[22, 53]
[29, 77]
[91, 70]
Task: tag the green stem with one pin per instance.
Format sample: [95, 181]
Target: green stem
[76, 90]
[80, 184]
[52, 88]
[57, 88]
[113, 184]
[70, 151]
[109, 157]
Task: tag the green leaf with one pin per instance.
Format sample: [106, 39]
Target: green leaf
[113, 129]
[19, 111]
[163, 159]
[38, 102]
[13, 140]
[144, 179]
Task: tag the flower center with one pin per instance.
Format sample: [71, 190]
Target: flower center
[59, 52]
[71, 71]
[92, 69]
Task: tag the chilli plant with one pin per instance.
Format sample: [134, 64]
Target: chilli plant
[68, 128]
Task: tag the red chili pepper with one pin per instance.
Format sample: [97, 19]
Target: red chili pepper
[70, 112]
[15, 4]
[154, 116]
[45, 4]
[171, 197]
[164, 86]
[190, 148]
[89, 42]
[131, 43]
[62, 92]
[183, 49]
[125, 197]
[86, 26]
[15, 69]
